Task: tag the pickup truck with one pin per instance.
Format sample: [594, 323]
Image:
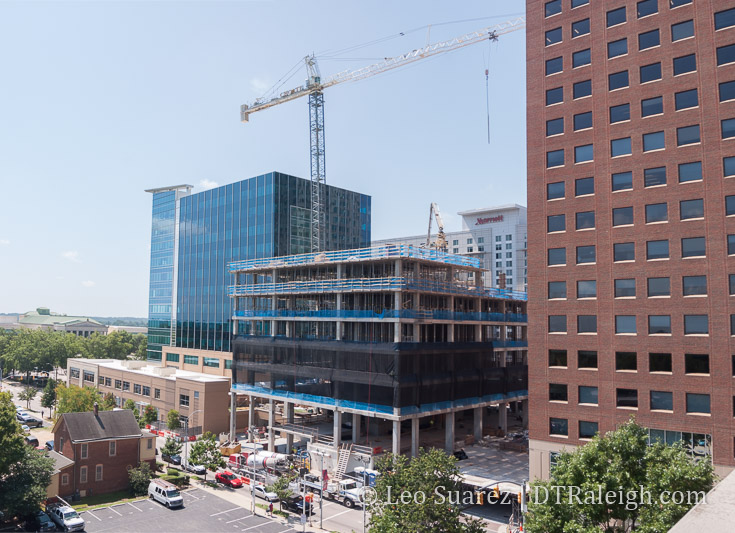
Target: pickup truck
[346, 492]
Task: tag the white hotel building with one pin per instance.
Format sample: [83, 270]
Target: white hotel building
[496, 235]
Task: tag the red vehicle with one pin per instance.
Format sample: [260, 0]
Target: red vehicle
[229, 479]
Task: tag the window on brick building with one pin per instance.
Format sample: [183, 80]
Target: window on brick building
[650, 72]
[653, 177]
[581, 58]
[626, 398]
[581, 27]
[646, 7]
[659, 362]
[686, 99]
[557, 323]
[657, 250]
[587, 359]
[558, 392]
[554, 65]
[617, 80]
[615, 17]
[659, 324]
[659, 287]
[625, 288]
[559, 426]
[582, 89]
[725, 19]
[587, 289]
[624, 251]
[649, 39]
[685, 64]
[557, 358]
[584, 186]
[622, 181]
[682, 30]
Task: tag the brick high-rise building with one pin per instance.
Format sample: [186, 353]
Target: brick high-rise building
[631, 207]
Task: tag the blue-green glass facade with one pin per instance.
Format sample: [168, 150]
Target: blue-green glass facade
[265, 216]
[161, 273]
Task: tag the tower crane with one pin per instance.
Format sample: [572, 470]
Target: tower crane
[314, 89]
[441, 239]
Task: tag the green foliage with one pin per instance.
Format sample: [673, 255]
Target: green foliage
[11, 436]
[27, 394]
[26, 349]
[171, 447]
[139, 477]
[172, 421]
[205, 452]
[280, 487]
[73, 399]
[623, 461]
[48, 399]
[130, 404]
[150, 414]
[432, 472]
[26, 482]
[108, 402]
[173, 472]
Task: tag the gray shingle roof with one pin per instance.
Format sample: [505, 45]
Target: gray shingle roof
[60, 462]
[107, 425]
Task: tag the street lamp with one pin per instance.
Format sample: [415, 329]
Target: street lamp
[365, 462]
[324, 488]
[186, 442]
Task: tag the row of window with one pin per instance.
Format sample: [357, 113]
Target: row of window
[627, 324]
[623, 216]
[142, 390]
[628, 362]
[659, 400]
[83, 475]
[617, 16]
[626, 288]
[621, 113]
[696, 403]
[625, 251]
[649, 39]
[652, 177]
[653, 141]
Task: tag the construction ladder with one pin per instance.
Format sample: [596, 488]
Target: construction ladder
[344, 457]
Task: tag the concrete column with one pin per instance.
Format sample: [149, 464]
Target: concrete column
[414, 437]
[355, 428]
[271, 423]
[396, 437]
[337, 431]
[503, 417]
[233, 414]
[289, 419]
[478, 423]
[397, 303]
[449, 432]
[524, 409]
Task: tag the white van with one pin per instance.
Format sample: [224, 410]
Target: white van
[166, 493]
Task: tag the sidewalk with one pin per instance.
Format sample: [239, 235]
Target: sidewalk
[241, 497]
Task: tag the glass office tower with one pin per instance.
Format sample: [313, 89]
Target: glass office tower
[265, 216]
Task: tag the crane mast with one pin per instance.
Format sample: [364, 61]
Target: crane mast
[441, 238]
[314, 89]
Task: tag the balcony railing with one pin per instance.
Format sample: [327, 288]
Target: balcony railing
[371, 285]
[387, 313]
[387, 251]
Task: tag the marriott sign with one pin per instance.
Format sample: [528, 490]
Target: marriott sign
[488, 220]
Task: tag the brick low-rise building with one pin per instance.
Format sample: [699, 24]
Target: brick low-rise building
[203, 397]
[103, 445]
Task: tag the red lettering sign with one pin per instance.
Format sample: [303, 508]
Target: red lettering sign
[488, 220]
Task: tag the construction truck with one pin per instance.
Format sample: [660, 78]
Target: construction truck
[345, 491]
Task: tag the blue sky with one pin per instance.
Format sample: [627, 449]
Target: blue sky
[101, 100]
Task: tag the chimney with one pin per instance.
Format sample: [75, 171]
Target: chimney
[96, 409]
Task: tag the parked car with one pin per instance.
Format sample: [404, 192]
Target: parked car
[295, 504]
[194, 469]
[173, 459]
[33, 422]
[39, 522]
[49, 445]
[26, 429]
[32, 441]
[65, 517]
[229, 479]
[166, 493]
[261, 492]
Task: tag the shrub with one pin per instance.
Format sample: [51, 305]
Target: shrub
[159, 466]
[139, 479]
[172, 472]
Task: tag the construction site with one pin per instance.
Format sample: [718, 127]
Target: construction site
[381, 342]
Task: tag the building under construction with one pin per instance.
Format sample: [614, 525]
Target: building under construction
[389, 335]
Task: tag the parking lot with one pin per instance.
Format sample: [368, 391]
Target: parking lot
[201, 512]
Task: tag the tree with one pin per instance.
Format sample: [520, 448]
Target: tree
[75, 399]
[108, 402]
[433, 474]
[11, 436]
[172, 420]
[171, 447]
[150, 414]
[48, 399]
[26, 483]
[621, 460]
[27, 394]
[205, 452]
[130, 404]
[139, 478]
[281, 488]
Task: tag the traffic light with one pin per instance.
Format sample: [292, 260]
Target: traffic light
[496, 493]
[520, 497]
